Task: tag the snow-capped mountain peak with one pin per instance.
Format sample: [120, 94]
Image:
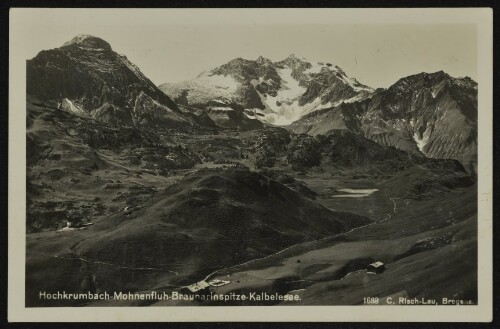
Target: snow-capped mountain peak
[276, 92]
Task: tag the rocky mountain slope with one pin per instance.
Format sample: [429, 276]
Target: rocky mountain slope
[86, 77]
[429, 114]
[273, 92]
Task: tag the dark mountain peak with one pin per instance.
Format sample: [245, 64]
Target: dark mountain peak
[424, 80]
[294, 60]
[88, 41]
[468, 81]
[239, 61]
[296, 63]
[263, 61]
[425, 76]
[437, 76]
[235, 66]
[339, 69]
[421, 80]
[467, 78]
[86, 77]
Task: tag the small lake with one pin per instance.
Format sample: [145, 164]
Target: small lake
[354, 193]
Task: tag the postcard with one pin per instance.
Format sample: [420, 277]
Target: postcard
[303, 165]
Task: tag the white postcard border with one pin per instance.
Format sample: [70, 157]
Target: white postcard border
[17, 312]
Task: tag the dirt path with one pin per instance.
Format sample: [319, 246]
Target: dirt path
[395, 204]
[96, 262]
[388, 216]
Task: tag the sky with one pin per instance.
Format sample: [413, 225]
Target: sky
[176, 45]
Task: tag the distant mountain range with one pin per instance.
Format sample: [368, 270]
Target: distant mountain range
[433, 115]
[427, 114]
[430, 114]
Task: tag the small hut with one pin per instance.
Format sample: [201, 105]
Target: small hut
[74, 219]
[377, 267]
[196, 288]
[218, 282]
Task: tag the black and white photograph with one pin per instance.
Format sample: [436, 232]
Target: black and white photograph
[211, 158]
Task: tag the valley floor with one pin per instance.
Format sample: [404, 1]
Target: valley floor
[428, 248]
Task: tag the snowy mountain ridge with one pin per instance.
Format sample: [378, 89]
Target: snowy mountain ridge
[273, 92]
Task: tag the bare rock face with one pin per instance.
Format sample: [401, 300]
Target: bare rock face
[429, 114]
[86, 77]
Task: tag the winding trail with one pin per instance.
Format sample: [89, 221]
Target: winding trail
[288, 248]
[387, 217]
[110, 264]
[395, 204]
